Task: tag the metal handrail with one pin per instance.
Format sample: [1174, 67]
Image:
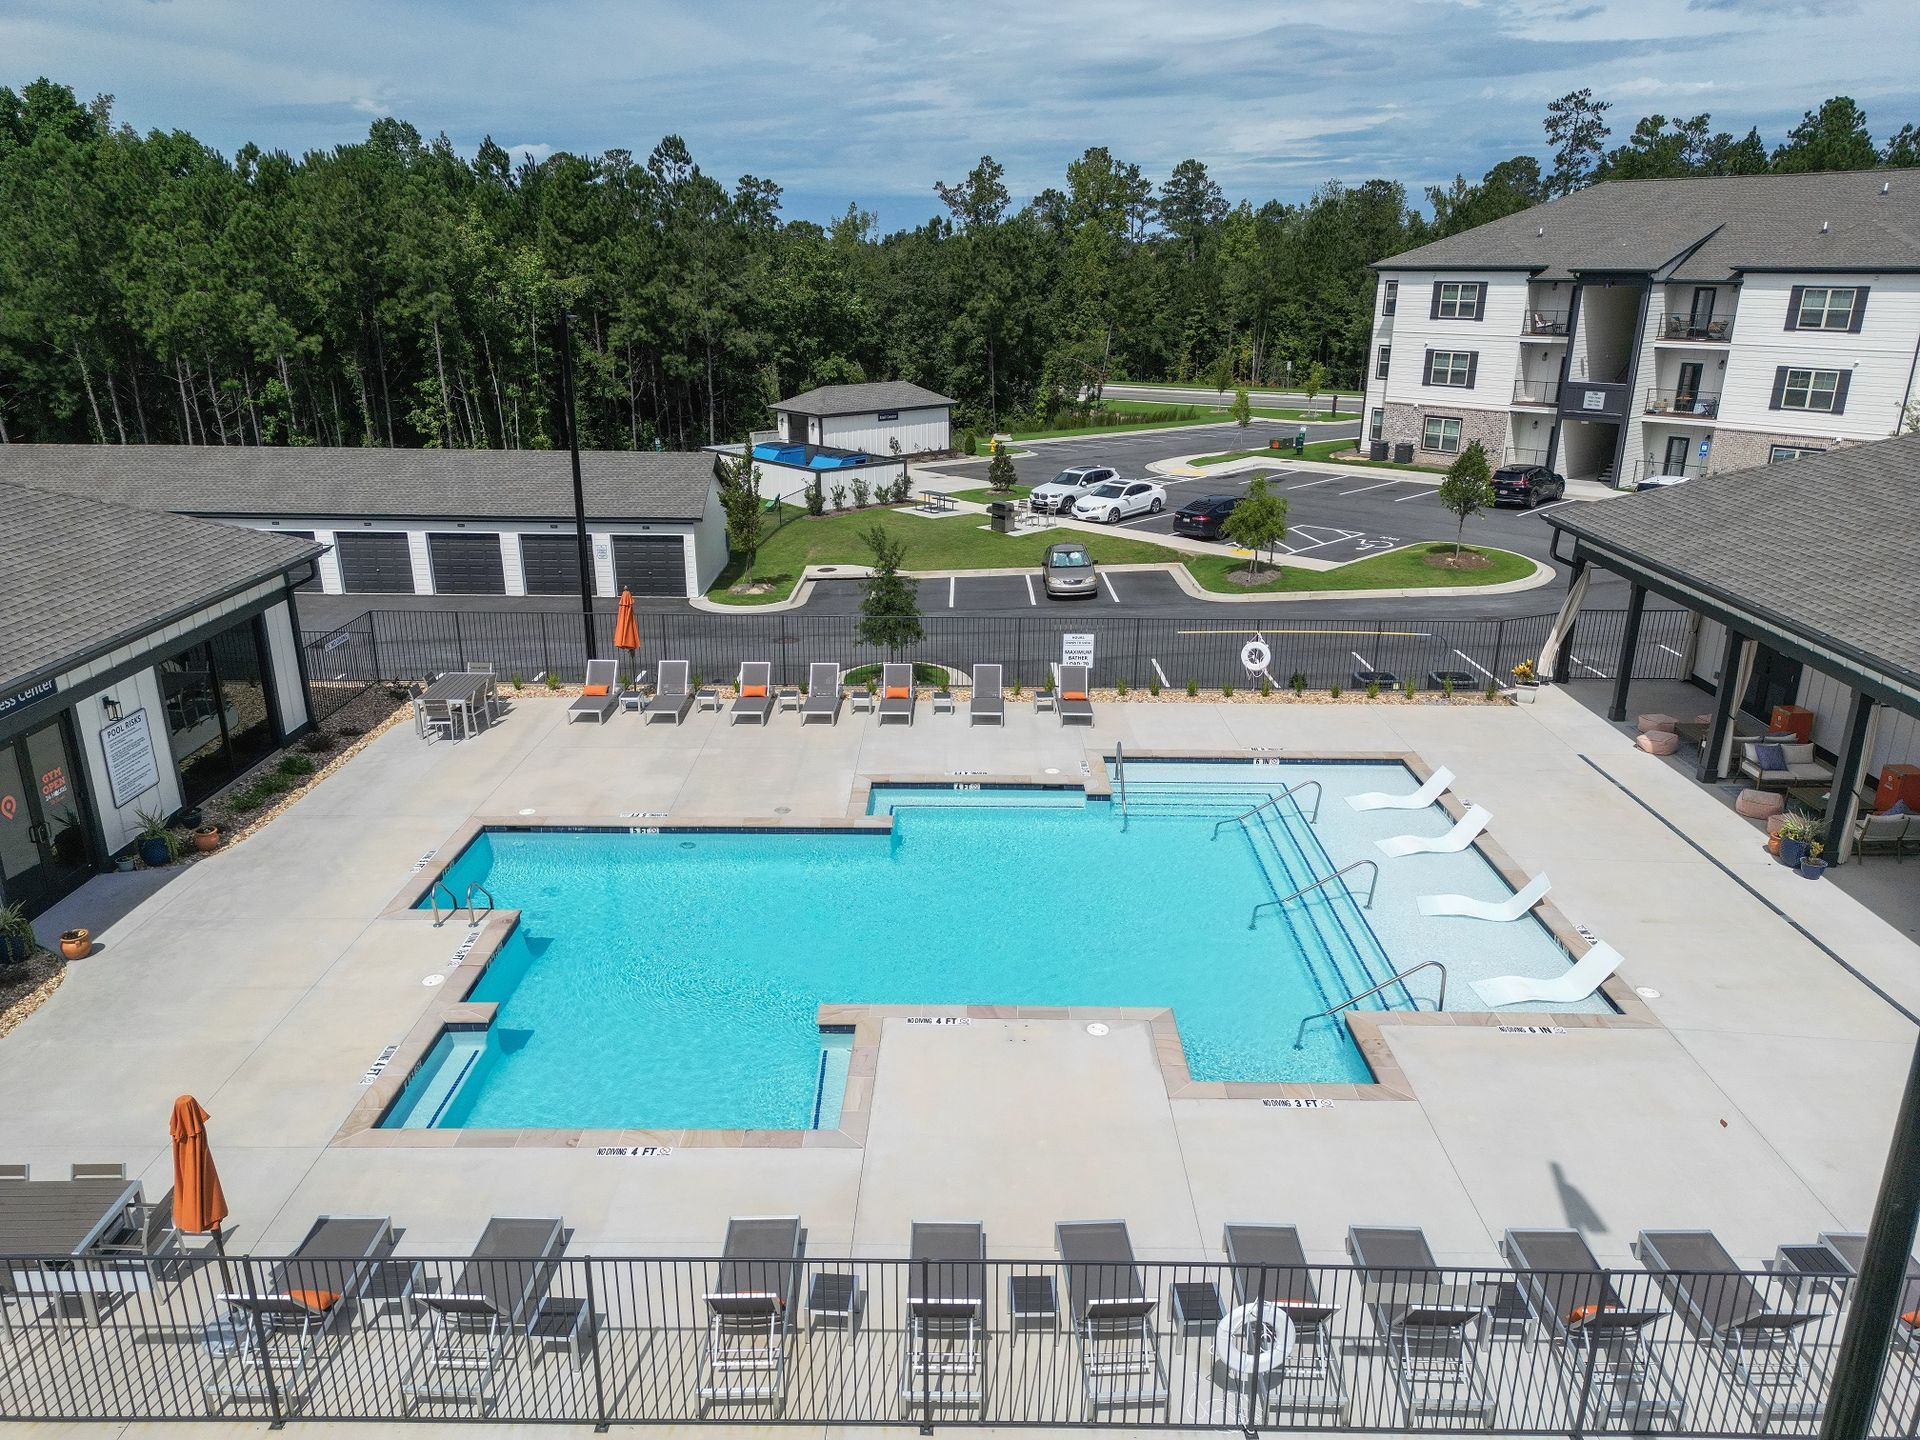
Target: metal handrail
[433, 899]
[1253, 916]
[1319, 794]
[1120, 773]
[1300, 1035]
[471, 912]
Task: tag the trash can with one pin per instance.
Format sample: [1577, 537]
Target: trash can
[1300, 441]
[1377, 450]
[1403, 452]
[1001, 513]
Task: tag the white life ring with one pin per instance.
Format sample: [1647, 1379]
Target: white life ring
[1255, 656]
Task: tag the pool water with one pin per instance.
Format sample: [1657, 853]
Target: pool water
[672, 980]
[797, 455]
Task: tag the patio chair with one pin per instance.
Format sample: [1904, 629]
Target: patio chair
[756, 693]
[1760, 1342]
[1436, 786]
[97, 1170]
[672, 694]
[1112, 1317]
[1270, 1266]
[946, 1332]
[16, 1170]
[1849, 1251]
[1587, 975]
[1464, 832]
[309, 1300]
[897, 693]
[823, 693]
[1426, 1323]
[1885, 834]
[988, 703]
[146, 1230]
[599, 693]
[1075, 708]
[1613, 1370]
[1501, 911]
[464, 1333]
[750, 1311]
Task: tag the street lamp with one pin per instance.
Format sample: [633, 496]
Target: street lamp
[579, 492]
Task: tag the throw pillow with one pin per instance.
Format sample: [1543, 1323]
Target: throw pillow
[1770, 757]
[1899, 807]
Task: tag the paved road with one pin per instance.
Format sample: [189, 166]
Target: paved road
[1207, 395]
[1132, 452]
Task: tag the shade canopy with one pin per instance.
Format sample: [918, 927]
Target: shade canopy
[198, 1203]
[626, 630]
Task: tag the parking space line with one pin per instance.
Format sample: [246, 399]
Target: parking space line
[1030, 599]
[1584, 666]
[1670, 650]
[1542, 509]
[952, 581]
[1328, 480]
[1475, 663]
[1419, 494]
[1158, 671]
[1365, 488]
[1107, 580]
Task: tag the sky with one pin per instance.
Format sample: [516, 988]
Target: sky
[872, 101]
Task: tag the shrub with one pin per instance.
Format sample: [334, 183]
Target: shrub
[1373, 689]
[398, 692]
[516, 682]
[553, 681]
[1446, 686]
[1333, 690]
[1226, 691]
[839, 497]
[1120, 686]
[1153, 685]
[318, 743]
[1193, 688]
[1266, 687]
[1014, 689]
[1492, 691]
[1407, 687]
[295, 765]
[816, 497]
[860, 493]
[1298, 680]
[351, 732]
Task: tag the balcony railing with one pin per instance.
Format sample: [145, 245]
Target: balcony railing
[1536, 392]
[1682, 402]
[1657, 470]
[1707, 332]
[1545, 323]
[1512, 455]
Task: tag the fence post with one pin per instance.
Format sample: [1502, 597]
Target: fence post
[917, 1355]
[1499, 644]
[373, 644]
[263, 1351]
[459, 641]
[781, 648]
[600, 1422]
[546, 646]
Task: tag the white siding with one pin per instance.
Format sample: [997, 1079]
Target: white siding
[708, 554]
[917, 431]
[284, 654]
[139, 691]
[1496, 338]
[329, 564]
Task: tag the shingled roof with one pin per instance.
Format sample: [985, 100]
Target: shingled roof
[79, 577]
[320, 481]
[1700, 229]
[1821, 547]
[860, 399]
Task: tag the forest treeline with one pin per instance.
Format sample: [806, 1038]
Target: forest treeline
[397, 292]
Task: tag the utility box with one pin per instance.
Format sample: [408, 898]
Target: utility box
[1300, 441]
[1377, 450]
[1403, 452]
[1796, 718]
[1000, 514]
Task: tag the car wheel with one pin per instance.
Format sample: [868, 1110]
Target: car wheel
[1156, 507]
[1533, 500]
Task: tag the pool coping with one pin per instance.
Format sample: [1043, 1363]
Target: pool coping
[1371, 1031]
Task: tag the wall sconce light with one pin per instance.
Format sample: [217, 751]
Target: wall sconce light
[110, 707]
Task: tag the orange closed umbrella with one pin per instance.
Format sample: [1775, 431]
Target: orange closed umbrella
[198, 1204]
[626, 630]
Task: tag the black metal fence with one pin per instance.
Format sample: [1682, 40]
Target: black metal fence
[338, 666]
[1168, 651]
[1010, 1343]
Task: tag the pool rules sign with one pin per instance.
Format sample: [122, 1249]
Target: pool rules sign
[131, 768]
[1076, 649]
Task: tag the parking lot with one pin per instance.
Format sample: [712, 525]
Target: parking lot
[1134, 590]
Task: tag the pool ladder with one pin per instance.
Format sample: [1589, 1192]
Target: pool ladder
[454, 902]
[1300, 1035]
[1253, 917]
[1319, 794]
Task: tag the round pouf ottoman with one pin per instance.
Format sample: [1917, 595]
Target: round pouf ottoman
[1775, 821]
[1658, 742]
[1656, 721]
[1759, 804]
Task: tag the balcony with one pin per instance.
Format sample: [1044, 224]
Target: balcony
[1545, 325]
[1695, 404]
[1654, 471]
[1695, 332]
[1545, 393]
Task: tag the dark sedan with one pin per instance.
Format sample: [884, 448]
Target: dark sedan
[1527, 486]
[1203, 518]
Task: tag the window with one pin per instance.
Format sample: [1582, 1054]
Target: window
[1389, 297]
[1380, 365]
[1821, 390]
[1376, 423]
[1441, 433]
[1819, 307]
[1457, 299]
[1452, 367]
[1791, 452]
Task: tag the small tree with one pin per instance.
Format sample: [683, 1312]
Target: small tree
[1221, 372]
[890, 607]
[1242, 408]
[740, 498]
[1000, 473]
[1315, 382]
[1259, 521]
[1467, 490]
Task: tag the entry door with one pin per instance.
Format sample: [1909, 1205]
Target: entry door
[1676, 458]
[1702, 315]
[44, 848]
[1776, 681]
[1688, 390]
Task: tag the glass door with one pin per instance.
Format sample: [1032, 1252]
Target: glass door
[1687, 393]
[45, 851]
[1701, 320]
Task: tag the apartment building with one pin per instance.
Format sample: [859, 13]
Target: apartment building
[1654, 330]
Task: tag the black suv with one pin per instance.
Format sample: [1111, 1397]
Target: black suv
[1203, 518]
[1526, 486]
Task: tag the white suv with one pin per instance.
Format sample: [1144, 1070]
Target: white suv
[1059, 493]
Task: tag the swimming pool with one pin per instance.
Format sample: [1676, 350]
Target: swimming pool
[672, 979]
[819, 459]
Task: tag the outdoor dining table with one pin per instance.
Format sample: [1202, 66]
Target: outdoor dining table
[464, 692]
[44, 1219]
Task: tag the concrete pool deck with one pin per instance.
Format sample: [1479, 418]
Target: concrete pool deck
[269, 978]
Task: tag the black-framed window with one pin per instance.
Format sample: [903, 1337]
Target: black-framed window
[1827, 307]
[1441, 432]
[1389, 296]
[1458, 300]
[1376, 423]
[219, 708]
[1380, 364]
[1777, 453]
[1452, 368]
[1798, 387]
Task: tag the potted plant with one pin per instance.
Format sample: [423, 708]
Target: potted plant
[1796, 835]
[1526, 684]
[16, 937]
[1811, 866]
[205, 837]
[77, 943]
[156, 843]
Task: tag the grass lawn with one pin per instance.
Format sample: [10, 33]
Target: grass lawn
[985, 494]
[1317, 450]
[1404, 569]
[1134, 415]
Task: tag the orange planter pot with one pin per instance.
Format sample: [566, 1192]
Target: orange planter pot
[76, 944]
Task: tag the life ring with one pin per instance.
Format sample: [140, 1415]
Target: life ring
[1256, 656]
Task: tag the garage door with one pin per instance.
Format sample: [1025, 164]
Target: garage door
[551, 563]
[650, 564]
[466, 564]
[375, 564]
[314, 582]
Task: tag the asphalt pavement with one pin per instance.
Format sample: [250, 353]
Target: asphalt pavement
[1207, 395]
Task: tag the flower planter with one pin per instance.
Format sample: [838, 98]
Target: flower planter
[156, 852]
[1792, 852]
[14, 950]
[1811, 869]
[206, 837]
[76, 944]
[1526, 691]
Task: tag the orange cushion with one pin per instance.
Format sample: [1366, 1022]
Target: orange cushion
[1912, 1317]
[593, 689]
[319, 1301]
[1073, 694]
[1580, 1314]
[754, 692]
[898, 692]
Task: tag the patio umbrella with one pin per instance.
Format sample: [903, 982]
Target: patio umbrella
[198, 1204]
[626, 630]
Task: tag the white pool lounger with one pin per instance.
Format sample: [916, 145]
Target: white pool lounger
[1512, 908]
[1587, 976]
[1435, 787]
[1465, 830]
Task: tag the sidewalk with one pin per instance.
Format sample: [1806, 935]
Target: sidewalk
[1181, 467]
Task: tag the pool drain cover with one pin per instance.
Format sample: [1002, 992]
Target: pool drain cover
[1646, 992]
[1096, 1028]
[433, 980]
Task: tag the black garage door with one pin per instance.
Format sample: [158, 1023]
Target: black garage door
[650, 564]
[312, 583]
[466, 564]
[551, 563]
[376, 564]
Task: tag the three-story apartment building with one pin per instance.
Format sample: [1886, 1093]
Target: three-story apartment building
[1657, 329]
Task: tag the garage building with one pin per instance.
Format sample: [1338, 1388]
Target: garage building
[868, 418]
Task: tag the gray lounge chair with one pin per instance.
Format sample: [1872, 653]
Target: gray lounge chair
[1848, 1251]
[988, 703]
[750, 1311]
[1760, 1341]
[465, 1331]
[756, 693]
[603, 675]
[672, 695]
[897, 693]
[1426, 1322]
[1613, 1373]
[823, 693]
[1074, 682]
[946, 1362]
[1270, 1265]
[1112, 1317]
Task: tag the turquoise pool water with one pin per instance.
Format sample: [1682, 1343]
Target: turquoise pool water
[672, 980]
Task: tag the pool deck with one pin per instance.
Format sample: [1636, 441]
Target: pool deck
[268, 979]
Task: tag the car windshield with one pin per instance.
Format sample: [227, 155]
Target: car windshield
[1109, 490]
[1067, 477]
[1068, 559]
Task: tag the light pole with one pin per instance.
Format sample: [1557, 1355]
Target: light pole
[579, 491]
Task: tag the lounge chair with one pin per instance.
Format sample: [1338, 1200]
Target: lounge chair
[946, 1362]
[750, 1311]
[988, 703]
[464, 1333]
[309, 1300]
[599, 694]
[1761, 1342]
[1613, 1371]
[1849, 1251]
[1587, 975]
[1074, 706]
[1798, 765]
[1426, 1322]
[672, 695]
[1112, 1317]
[1270, 1265]
[1464, 832]
[897, 693]
[823, 693]
[1501, 911]
[756, 693]
[1436, 786]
